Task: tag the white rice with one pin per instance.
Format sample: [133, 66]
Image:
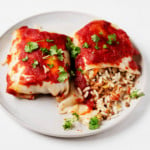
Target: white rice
[79, 90]
[86, 94]
[86, 89]
[109, 89]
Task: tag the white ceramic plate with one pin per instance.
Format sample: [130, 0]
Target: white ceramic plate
[41, 115]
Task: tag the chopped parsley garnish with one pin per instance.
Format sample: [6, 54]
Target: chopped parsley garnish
[117, 42]
[101, 33]
[69, 43]
[94, 123]
[105, 46]
[68, 124]
[111, 38]
[61, 57]
[95, 39]
[96, 46]
[55, 51]
[59, 51]
[79, 69]
[31, 46]
[74, 50]
[25, 59]
[50, 65]
[48, 40]
[44, 50]
[63, 74]
[136, 94]
[76, 116]
[85, 45]
[61, 69]
[34, 65]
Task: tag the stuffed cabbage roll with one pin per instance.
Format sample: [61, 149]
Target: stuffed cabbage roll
[38, 64]
[106, 71]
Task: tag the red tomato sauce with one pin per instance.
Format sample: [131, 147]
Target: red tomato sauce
[80, 80]
[8, 59]
[120, 48]
[37, 75]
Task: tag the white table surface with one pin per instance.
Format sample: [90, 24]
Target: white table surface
[132, 133]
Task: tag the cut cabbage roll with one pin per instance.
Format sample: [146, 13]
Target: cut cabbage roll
[106, 70]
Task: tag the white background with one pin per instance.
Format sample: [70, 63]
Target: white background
[132, 133]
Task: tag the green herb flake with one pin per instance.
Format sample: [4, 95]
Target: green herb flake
[95, 38]
[68, 123]
[34, 65]
[50, 65]
[25, 59]
[69, 44]
[85, 45]
[136, 94]
[53, 50]
[59, 51]
[105, 46]
[76, 116]
[61, 57]
[74, 50]
[61, 69]
[117, 42]
[30, 47]
[79, 69]
[63, 74]
[48, 40]
[111, 38]
[96, 46]
[44, 50]
[101, 33]
[94, 123]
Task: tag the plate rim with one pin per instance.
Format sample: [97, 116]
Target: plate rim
[46, 13]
